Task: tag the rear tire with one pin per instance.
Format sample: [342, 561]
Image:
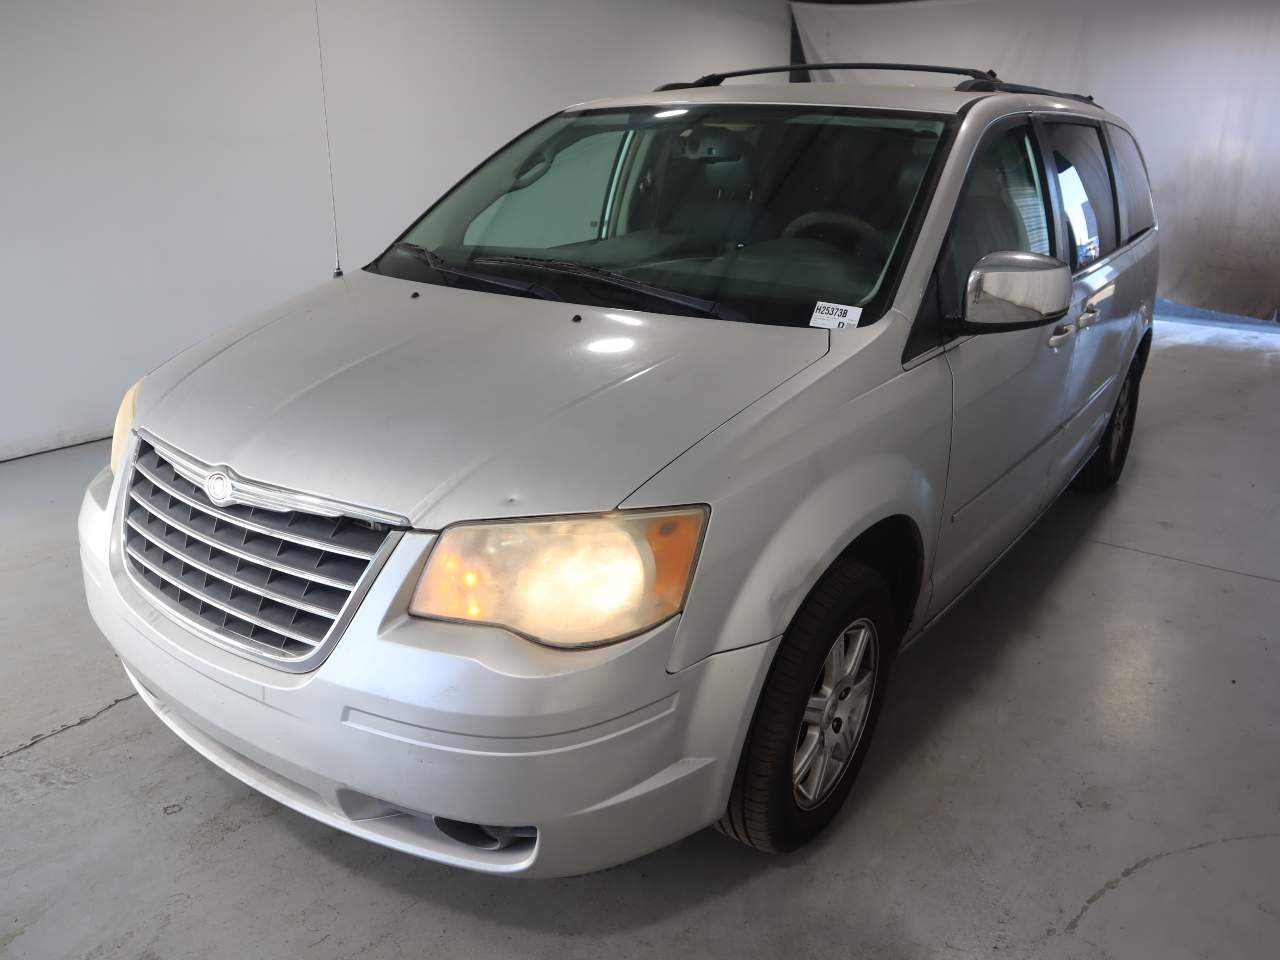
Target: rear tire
[1107, 463]
[819, 705]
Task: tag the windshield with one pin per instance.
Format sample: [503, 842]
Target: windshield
[745, 212]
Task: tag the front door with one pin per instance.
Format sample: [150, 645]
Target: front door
[1009, 387]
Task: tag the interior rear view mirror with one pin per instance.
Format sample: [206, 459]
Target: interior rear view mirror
[1012, 290]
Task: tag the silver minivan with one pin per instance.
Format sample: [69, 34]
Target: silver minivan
[595, 510]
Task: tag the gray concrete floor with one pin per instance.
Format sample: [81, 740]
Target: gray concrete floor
[1082, 761]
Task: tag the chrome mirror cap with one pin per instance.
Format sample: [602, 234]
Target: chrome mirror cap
[1012, 289]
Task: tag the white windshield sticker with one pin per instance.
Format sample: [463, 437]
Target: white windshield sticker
[833, 316]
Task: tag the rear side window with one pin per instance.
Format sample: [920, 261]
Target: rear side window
[1131, 179]
[1076, 155]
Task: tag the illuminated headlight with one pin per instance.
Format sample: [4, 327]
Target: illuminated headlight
[572, 582]
[124, 423]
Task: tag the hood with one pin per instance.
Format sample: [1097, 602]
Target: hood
[453, 405]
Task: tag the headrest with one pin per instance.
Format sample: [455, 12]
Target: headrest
[731, 176]
[713, 146]
[986, 183]
[723, 157]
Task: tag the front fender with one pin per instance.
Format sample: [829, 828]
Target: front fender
[794, 479]
[787, 564]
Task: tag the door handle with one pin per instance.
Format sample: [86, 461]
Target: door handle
[1061, 334]
[1088, 318]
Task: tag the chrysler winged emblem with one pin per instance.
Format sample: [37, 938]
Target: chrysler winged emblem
[217, 487]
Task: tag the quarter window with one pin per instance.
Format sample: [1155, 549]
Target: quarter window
[1131, 177]
[1076, 155]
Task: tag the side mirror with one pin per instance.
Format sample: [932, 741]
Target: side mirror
[1012, 291]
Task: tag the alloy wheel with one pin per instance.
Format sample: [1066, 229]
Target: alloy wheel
[835, 715]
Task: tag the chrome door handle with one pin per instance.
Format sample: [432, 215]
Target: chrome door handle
[1088, 318]
[1061, 334]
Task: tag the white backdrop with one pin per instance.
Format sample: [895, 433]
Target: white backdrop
[163, 167]
[1198, 81]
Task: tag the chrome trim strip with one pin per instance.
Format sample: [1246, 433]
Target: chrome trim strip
[253, 493]
[298, 572]
[249, 524]
[231, 579]
[226, 608]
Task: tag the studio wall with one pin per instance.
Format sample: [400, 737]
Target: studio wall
[1198, 82]
[164, 168]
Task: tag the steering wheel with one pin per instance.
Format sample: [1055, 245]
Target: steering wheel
[866, 234]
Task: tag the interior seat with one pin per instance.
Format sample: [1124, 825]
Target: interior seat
[986, 221]
[721, 206]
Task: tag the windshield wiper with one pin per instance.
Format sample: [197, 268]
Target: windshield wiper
[441, 265]
[710, 308]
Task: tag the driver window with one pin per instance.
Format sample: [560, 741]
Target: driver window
[1002, 207]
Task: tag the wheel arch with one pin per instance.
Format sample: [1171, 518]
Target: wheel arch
[756, 586]
[894, 548]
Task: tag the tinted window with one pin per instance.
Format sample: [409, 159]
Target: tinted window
[1077, 156]
[751, 212]
[1002, 207]
[1131, 175]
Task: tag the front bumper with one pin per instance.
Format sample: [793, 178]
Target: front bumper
[603, 751]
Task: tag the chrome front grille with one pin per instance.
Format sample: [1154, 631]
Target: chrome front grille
[275, 584]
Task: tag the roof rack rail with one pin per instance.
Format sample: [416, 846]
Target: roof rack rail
[715, 79]
[994, 85]
[978, 81]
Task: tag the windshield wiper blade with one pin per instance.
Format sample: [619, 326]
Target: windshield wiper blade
[711, 308]
[441, 265]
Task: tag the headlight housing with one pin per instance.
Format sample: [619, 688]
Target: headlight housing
[124, 423]
[566, 582]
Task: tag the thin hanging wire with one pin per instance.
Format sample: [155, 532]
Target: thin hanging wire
[328, 145]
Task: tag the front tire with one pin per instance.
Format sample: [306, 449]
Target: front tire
[817, 712]
[1107, 463]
